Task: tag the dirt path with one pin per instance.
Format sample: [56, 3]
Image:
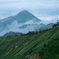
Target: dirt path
[35, 56]
[6, 53]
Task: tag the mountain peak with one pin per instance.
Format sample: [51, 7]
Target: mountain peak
[24, 16]
[24, 11]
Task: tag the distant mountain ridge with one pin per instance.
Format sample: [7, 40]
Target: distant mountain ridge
[33, 25]
[25, 16]
[23, 22]
[9, 23]
[21, 17]
[12, 34]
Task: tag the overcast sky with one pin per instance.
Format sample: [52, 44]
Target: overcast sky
[43, 9]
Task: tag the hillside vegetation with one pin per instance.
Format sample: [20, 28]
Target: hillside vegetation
[25, 46]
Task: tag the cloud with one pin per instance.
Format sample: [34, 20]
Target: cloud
[29, 4]
[37, 7]
[51, 19]
[15, 26]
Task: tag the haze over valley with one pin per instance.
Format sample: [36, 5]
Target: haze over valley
[24, 22]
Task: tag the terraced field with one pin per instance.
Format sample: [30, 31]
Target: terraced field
[23, 47]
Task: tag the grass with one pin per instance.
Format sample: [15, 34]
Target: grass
[26, 44]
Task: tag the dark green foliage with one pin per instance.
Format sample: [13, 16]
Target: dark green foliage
[51, 50]
[44, 45]
[54, 25]
[30, 33]
[18, 47]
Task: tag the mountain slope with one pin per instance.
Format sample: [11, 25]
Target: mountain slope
[12, 23]
[23, 47]
[21, 17]
[52, 49]
[31, 27]
[12, 34]
[24, 16]
[48, 26]
[49, 51]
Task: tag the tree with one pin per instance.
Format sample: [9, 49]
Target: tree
[54, 25]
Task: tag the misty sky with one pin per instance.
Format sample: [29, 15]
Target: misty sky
[43, 9]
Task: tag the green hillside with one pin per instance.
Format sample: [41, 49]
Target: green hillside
[51, 51]
[24, 46]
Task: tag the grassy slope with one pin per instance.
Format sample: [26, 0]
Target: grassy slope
[51, 51]
[26, 44]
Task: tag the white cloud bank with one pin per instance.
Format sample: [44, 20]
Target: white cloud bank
[15, 27]
[37, 7]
